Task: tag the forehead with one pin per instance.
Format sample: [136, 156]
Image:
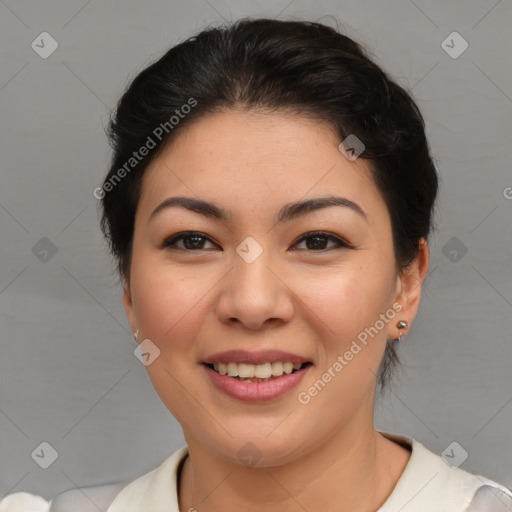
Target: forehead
[255, 160]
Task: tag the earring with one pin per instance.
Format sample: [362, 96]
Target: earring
[136, 334]
[402, 324]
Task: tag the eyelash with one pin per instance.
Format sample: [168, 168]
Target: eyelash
[168, 243]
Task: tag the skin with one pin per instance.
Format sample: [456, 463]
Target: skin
[311, 301]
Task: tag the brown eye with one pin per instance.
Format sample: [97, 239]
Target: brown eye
[319, 240]
[195, 241]
[192, 241]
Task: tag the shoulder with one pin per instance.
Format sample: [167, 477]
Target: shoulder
[103, 497]
[86, 499]
[491, 497]
[429, 482]
[24, 502]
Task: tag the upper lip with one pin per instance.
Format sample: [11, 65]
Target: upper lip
[247, 357]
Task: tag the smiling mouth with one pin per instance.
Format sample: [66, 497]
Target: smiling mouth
[257, 372]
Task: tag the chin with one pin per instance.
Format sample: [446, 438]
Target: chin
[265, 450]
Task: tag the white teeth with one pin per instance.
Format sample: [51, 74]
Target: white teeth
[277, 368]
[246, 370]
[232, 369]
[262, 371]
[287, 367]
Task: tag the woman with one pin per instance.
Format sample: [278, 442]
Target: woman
[269, 204]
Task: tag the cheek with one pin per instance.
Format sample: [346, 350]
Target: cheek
[170, 309]
[168, 304]
[345, 310]
[346, 302]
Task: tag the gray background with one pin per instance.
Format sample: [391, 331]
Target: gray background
[67, 369]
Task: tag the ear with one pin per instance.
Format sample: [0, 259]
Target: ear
[128, 305]
[409, 285]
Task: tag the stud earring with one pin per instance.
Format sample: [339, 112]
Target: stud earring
[136, 334]
[402, 324]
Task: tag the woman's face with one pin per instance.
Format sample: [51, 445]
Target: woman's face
[256, 280]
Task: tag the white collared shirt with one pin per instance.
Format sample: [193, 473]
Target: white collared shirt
[428, 484]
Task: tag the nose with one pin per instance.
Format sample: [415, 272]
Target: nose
[254, 294]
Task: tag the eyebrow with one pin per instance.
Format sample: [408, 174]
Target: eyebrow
[287, 212]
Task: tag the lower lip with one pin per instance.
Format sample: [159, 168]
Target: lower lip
[255, 391]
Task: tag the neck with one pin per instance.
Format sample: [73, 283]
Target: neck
[355, 470]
